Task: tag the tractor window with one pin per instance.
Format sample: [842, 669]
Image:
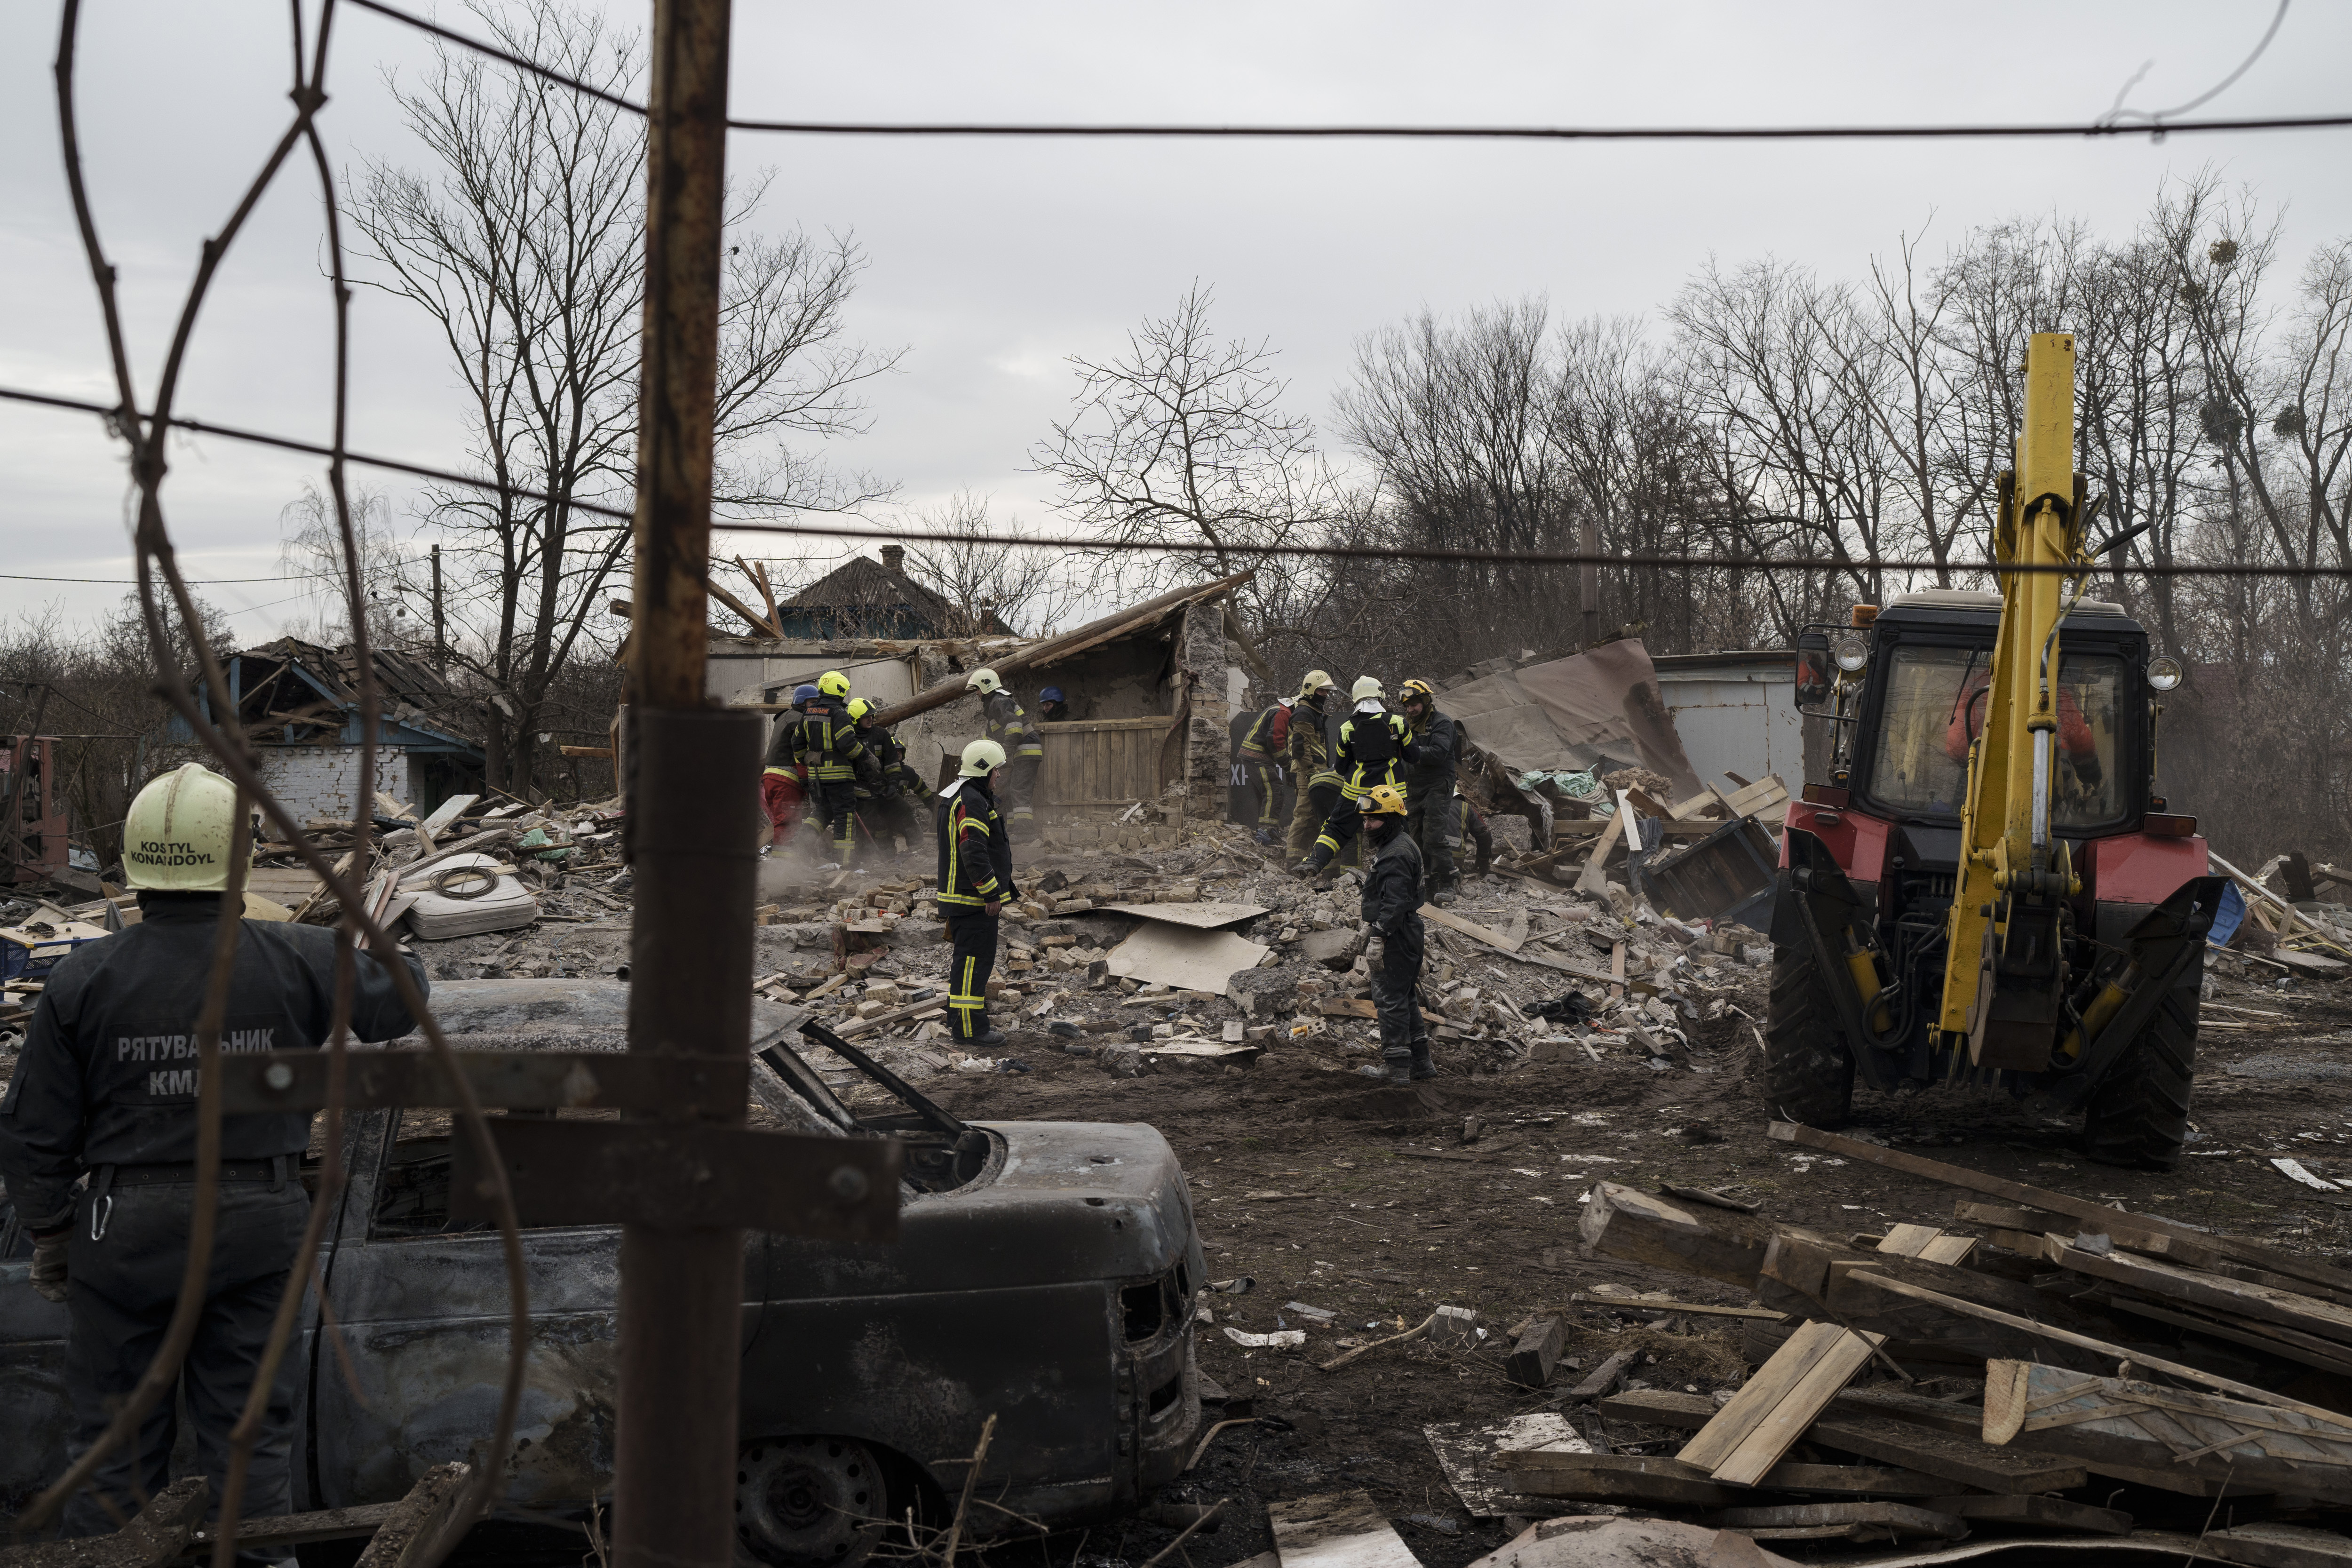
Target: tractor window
[1916, 771]
[1935, 702]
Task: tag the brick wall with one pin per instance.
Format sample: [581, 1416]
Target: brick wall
[1201, 659]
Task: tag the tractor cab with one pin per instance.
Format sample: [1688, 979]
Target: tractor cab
[1871, 862]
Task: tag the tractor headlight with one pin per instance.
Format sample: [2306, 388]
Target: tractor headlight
[2164, 672]
[1852, 652]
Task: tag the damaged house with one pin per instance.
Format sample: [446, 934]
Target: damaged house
[299, 706]
[1150, 690]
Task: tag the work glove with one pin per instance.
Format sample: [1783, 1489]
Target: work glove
[50, 1265]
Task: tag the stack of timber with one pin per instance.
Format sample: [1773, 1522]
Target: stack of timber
[2040, 1365]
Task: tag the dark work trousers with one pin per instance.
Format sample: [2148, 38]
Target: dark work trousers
[121, 1294]
[974, 934]
[838, 798]
[1020, 798]
[1307, 815]
[889, 818]
[1337, 840]
[1265, 791]
[1396, 986]
[1434, 827]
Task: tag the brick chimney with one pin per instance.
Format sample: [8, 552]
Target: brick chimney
[893, 559]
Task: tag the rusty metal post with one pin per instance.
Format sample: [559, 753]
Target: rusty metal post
[1588, 583]
[690, 946]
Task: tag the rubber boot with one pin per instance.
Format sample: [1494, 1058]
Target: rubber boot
[1421, 1067]
[1399, 1067]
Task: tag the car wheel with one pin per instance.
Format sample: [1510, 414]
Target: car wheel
[808, 1502]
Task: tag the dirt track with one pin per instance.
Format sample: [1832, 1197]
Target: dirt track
[1364, 1200]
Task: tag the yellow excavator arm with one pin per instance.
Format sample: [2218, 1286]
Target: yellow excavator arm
[2004, 974]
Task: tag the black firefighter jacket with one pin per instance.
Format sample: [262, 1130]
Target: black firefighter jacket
[108, 1076]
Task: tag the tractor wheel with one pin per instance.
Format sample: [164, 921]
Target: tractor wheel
[1808, 1071]
[2139, 1114]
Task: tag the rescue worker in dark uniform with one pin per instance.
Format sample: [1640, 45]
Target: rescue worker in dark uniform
[836, 759]
[975, 878]
[1006, 722]
[783, 778]
[1371, 743]
[1053, 707]
[885, 802]
[1263, 744]
[1432, 760]
[1391, 908]
[1470, 828]
[107, 1087]
[1311, 773]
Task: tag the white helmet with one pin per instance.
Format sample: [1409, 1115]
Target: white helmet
[983, 681]
[176, 834]
[1366, 686]
[980, 758]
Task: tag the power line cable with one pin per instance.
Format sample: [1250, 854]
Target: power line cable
[1267, 552]
[2096, 127]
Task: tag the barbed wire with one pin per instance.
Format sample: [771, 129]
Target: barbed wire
[2092, 129]
[215, 725]
[1716, 560]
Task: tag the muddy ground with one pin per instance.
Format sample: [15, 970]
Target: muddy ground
[1365, 1200]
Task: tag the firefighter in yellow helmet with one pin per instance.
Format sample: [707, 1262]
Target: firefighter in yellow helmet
[836, 761]
[1308, 747]
[1432, 760]
[1371, 743]
[1006, 722]
[975, 877]
[1391, 908]
[104, 1100]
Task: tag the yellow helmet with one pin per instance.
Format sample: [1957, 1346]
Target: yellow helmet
[980, 758]
[981, 681]
[860, 706]
[1317, 680]
[1366, 686]
[178, 833]
[1381, 800]
[1421, 688]
[833, 683]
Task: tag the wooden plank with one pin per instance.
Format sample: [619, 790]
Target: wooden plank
[448, 812]
[1453, 922]
[2142, 1232]
[2041, 1512]
[1613, 1478]
[2091, 1419]
[1884, 1521]
[1966, 1460]
[411, 1535]
[1740, 1445]
[1872, 1480]
[1336, 1530]
[1669, 1305]
[1537, 1351]
[2155, 1278]
[2305, 1348]
[1638, 1228]
[2172, 1369]
[1591, 880]
[299, 1528]
[2270, 1544]
[1603, 1377]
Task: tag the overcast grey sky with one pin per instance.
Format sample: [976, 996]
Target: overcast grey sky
[992, 261]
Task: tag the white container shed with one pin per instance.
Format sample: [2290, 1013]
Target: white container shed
[1736, 713]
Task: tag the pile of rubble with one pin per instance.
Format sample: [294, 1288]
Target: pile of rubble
[2033, 1367]
[1211, 954]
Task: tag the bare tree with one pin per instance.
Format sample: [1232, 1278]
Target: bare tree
[525, 249]
[990, 585]
[311, 549]
[1183, 443]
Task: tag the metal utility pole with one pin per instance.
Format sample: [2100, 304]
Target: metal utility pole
[440, 637]
[690, 951]
[1588, 583]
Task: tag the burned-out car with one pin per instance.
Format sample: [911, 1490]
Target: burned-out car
[1043, 1274]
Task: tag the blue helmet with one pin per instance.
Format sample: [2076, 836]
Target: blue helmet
[804, 694]
[1052, 694]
